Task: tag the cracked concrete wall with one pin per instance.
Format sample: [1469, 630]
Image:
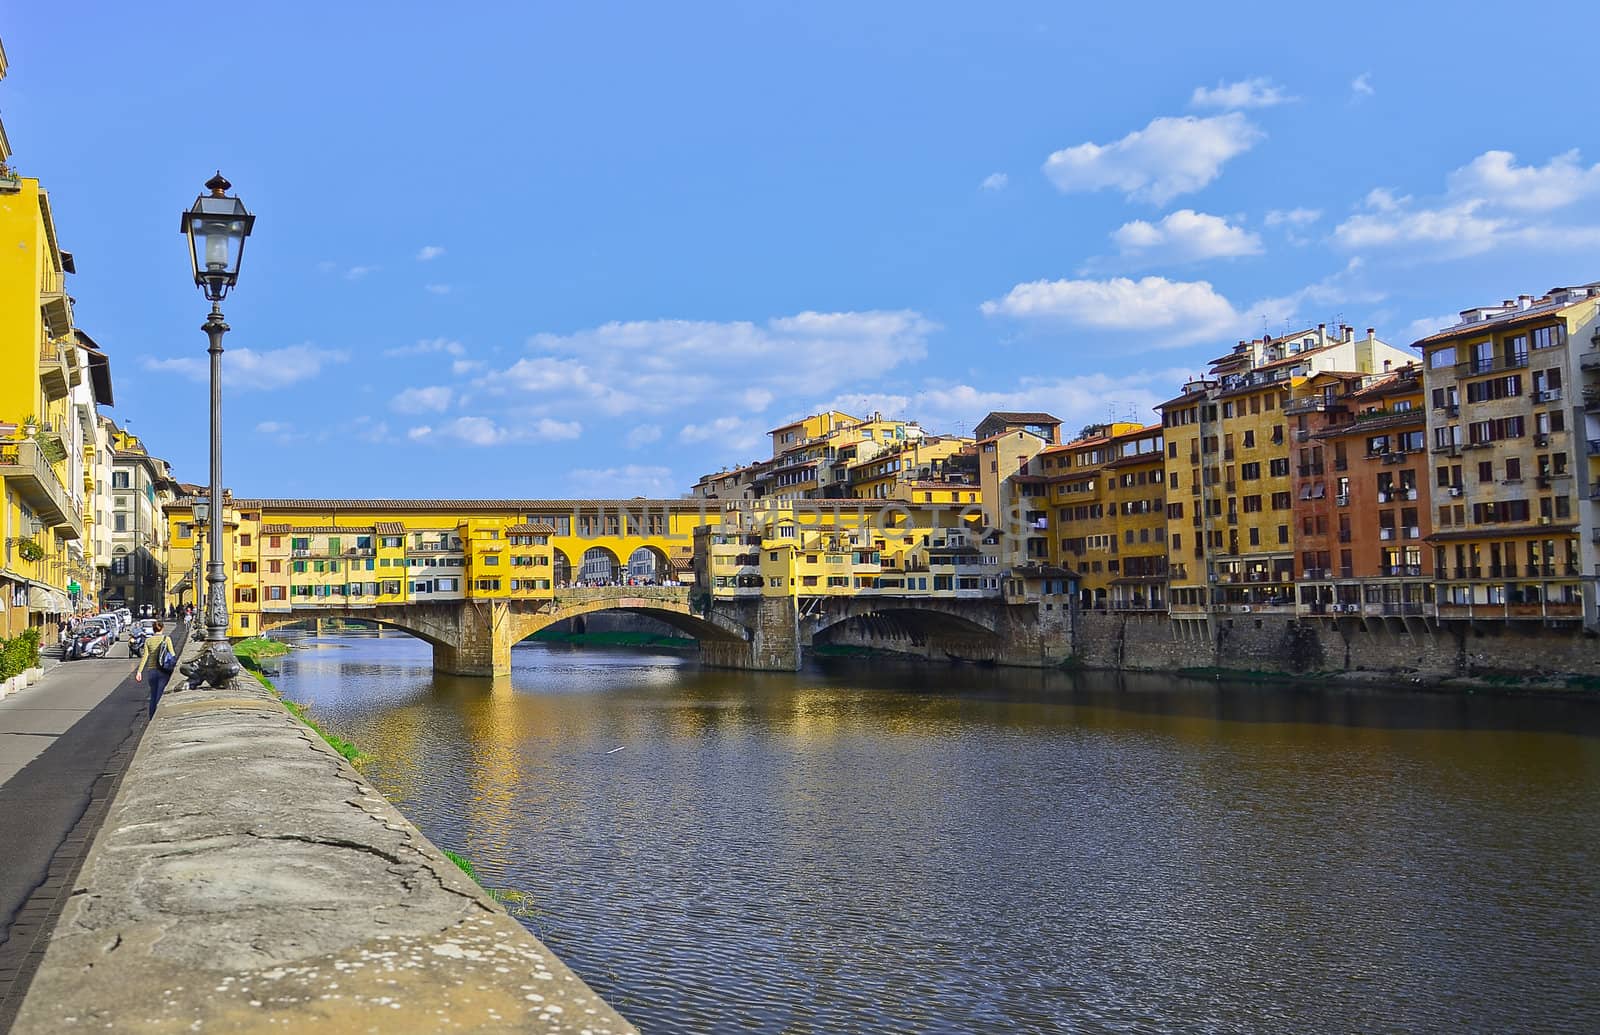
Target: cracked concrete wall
[247, 879]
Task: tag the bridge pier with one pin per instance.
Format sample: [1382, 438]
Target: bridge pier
[482, 642]
[774, 643]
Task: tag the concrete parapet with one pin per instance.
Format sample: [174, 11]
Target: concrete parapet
[247, 879]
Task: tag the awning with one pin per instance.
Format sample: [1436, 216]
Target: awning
[47, 600]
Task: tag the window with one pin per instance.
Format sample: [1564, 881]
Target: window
[1445, 357]
[1252, 471]
[275, 567]
[1279, 467]
[1548, 337]
[491, 560]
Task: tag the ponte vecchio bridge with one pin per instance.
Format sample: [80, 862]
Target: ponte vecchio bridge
[475, 577]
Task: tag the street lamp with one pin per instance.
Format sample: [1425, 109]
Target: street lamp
[216, 225]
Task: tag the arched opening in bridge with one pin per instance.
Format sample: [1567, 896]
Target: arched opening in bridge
[561, 567]
[924, 633]
[650, 566]
[599, 567]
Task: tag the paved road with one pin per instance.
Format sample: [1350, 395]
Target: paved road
[61, 740]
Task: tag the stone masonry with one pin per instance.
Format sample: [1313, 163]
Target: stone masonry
[247, 879]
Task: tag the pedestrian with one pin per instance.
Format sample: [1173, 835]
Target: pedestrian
[157, 652]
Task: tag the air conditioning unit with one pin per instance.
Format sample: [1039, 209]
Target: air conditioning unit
[1541, 440]
[1544, 521]
[1455, 490]
[1245, 609]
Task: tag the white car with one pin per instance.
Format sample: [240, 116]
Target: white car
[113, 623]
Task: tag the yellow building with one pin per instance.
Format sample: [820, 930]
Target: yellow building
[1514, 435]
[286, 556]
[1107, 496]
[43, 503]
[1230, 522]
[823, 549]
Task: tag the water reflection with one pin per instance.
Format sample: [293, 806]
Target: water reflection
[871, 847]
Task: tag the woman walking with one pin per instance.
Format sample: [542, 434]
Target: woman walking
[157, 646]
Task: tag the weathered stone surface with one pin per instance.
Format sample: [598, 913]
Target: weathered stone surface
[247, 879]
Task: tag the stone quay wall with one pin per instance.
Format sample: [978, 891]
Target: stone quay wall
[248, 879]
[1284, 644]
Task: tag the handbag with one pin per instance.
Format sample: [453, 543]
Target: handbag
[166, 660]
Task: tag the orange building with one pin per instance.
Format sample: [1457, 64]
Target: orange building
[1361, 495]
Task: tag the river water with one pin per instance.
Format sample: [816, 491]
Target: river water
[869, 847]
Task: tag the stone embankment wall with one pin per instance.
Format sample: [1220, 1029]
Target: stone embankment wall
[1279, 643]
[247, 879]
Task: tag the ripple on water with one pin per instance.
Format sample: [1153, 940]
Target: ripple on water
[844, 850]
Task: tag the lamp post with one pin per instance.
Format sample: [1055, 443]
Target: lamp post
[216, 226]
[202, 513]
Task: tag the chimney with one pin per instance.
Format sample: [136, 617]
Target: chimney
[1506, 303]
[1372, 332]
[1346, 332]
[1322, 332]
[1386, 365]
[1524, 301]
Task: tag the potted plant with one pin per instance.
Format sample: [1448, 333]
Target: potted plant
[29, 550]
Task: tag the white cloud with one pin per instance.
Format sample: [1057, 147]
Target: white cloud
[1361, 85]
[1161, 313]
[643, 435]
[733, 432]
[358, 272]
[429, 252]
[660, 366]
[1495, 177]
[1077, 400]
[1175, 311]
[437, 289]
[486, 431]
[1185, 236]
[995, 181]
[1293, 217]
[625, 482]
[432, 398]
[1459, 229]
[1170, 156]
[1418, 329]
[279, 431]
[1487, 204]
[428, 346]
[245, 368]
[1259, 92]
[463, 367]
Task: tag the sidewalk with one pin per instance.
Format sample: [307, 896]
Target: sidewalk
[64, 744]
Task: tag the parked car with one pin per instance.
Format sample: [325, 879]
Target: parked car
[112, 622]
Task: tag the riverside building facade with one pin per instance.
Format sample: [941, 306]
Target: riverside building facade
[1511, 432]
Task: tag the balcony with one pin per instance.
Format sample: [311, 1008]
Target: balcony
[54, 375]
[24, 466]
[1589, 359]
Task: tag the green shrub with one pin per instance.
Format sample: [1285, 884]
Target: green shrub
[19, 653]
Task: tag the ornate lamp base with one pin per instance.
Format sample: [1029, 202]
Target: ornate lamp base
[215, 665]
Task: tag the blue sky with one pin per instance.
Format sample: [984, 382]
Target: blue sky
[597, 249]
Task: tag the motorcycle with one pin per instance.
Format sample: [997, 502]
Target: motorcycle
[136, 643]
[91, 643]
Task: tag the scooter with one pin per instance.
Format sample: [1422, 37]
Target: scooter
[136, 643]
[93, 643]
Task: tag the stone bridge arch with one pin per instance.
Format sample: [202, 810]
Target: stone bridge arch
[960, 629]
[668, 605]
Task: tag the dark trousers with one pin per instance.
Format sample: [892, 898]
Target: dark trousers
[158, 685]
